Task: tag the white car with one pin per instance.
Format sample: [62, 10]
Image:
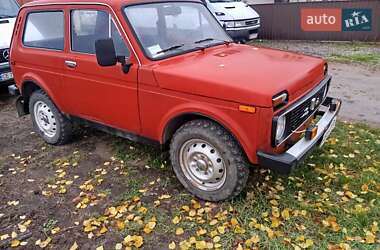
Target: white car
[8, 14]
[240, 21]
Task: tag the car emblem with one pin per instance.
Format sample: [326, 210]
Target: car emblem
[6, 54]
[305, 112]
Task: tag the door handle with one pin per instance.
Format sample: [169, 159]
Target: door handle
[70, 64]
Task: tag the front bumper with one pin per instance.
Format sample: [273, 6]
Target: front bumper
[284, 163]
[246, 33]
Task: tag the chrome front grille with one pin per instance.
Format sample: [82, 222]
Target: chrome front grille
[252, 22]
[299, 112]
[302, 112]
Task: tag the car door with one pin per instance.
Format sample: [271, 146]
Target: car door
[104, 95]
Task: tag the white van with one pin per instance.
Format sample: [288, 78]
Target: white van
[8, 13]
[241, 22]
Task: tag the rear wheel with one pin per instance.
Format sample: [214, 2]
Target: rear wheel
[208, 161]
[47, 120]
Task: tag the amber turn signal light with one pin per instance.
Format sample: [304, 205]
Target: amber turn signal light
[247, 109]
[311, 132]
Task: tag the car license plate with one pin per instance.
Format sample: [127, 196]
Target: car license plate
[328, 132]
[253, 36]
[6, 76]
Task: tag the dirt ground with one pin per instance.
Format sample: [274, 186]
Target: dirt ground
[359, 88]
[355, 68]
[31, 169]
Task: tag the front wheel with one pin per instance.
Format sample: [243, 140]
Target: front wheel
[208, 161]
[47, 120]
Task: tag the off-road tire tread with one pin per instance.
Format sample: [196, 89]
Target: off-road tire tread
[238, 159]
[66, 127]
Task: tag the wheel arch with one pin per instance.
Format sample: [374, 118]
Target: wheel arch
[175, 122]
[29, 85]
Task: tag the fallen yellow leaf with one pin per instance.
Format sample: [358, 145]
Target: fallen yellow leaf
[55, 230]
[118, 246]
[253, 240]
[15, 243]
[213, 222]
[74, 246]
[172, 245]
[285, 214]
[200, 244]
[179, 231]
[43, 244]
[216, 239]
[149, 227]
[234, 222]
[176, 220]
[370, 238]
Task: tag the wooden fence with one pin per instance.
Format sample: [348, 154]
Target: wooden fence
[283, 21]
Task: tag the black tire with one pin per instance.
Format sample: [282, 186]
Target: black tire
[63, 124]
[236, 164]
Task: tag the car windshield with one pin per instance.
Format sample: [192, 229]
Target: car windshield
[168, 29]
[8, 8]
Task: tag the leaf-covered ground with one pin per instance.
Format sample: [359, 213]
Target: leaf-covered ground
[103, 192]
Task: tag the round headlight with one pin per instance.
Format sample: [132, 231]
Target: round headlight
[280, 130]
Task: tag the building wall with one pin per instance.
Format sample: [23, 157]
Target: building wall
[284, 22]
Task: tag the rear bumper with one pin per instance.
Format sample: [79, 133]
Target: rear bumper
[284, 163]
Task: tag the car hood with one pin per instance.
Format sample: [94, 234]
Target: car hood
[240, 73]
[234, 11]
[6, 28]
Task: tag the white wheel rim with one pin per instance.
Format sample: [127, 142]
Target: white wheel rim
[202, 164]
[45, 119]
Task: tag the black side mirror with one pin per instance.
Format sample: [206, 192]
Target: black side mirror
[106, 55]
[105, 52]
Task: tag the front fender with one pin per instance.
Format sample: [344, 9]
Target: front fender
[240, 125]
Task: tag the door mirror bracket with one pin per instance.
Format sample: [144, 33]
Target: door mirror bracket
[106, 55]
[126, 65]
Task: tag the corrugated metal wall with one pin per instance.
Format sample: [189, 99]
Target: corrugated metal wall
[283, 21]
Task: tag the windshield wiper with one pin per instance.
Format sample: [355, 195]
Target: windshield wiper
[6, 16]
[212, 39]
[205, 40]
[170, 48]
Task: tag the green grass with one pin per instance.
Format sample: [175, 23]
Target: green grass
[371, 59]
[332, 199]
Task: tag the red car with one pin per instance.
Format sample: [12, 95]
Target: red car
[167, 73]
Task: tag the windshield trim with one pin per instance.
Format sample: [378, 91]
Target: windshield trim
[174, 53]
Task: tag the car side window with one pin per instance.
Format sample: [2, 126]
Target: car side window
[87, 26]
[44, 30]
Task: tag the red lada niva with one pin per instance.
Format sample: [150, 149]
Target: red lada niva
[166, 72]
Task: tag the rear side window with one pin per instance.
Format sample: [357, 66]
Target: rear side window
[44, 30]
[87, 26]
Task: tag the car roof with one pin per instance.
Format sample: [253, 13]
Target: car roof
[112, 3]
